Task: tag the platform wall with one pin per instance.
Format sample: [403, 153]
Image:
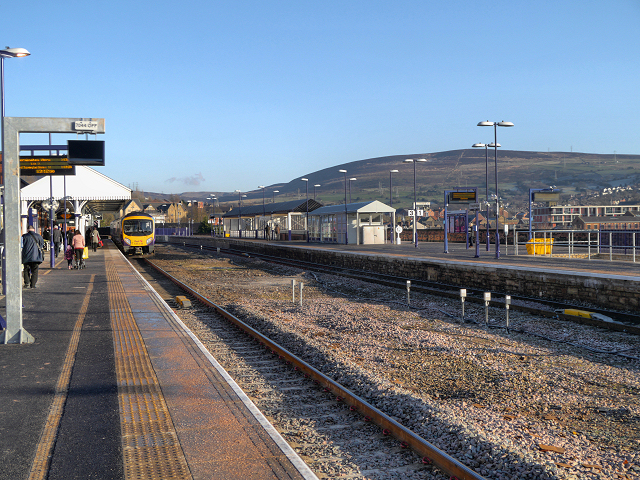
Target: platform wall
[613, 293]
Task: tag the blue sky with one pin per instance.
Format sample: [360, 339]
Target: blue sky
[225, 95]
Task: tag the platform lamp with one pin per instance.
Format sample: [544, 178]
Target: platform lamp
[486, 161]
[264, 214]
[314, 190]
[346, 219]
[353, 179]
[495, 126]
[415, 198]
[306, 183]
[273, 198]
[391, 203]
[6, 53]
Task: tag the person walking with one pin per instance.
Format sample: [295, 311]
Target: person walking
[56, 236]
[68, 255]
[32, 256]
[78, 247]
[95, 238]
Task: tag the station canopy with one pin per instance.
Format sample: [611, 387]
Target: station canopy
[280, 208]
[360, 207]
[98, 192]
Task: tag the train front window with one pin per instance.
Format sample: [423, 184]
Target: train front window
[137, 228]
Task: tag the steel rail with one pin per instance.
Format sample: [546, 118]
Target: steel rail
[422, 286]
[422, 447]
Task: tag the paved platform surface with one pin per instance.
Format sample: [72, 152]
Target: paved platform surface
[114, 388]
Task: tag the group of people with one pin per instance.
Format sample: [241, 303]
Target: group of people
[33, 249]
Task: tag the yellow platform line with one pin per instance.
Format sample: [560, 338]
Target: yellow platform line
[42, 460]
[150, 444]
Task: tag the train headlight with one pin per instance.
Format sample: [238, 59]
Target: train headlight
[126, 241]
[149, 240]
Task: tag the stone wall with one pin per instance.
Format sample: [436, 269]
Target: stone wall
[613, 292]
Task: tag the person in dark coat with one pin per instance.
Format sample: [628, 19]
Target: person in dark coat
[32, 256]
[56, 236]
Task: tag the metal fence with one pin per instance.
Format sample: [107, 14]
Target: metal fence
[589, 244]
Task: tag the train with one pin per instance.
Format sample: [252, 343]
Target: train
[134, 233]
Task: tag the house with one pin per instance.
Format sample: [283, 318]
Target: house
[628, 221]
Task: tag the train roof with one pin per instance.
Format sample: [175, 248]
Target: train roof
[137, 214]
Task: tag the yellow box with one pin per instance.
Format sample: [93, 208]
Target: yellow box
[542, 246]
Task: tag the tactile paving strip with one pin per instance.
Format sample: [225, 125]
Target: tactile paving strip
[150, 445]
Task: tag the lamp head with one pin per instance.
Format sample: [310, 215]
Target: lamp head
[408, 160]
[393, 171]
[351, 179]
[260, 186]
[317, 185]
[276, 191]
[478, 145]
[485, 124]
[505, 124]
[304, 179]
[421, 160]
[14, 52]
[342, 171]
[494, 145]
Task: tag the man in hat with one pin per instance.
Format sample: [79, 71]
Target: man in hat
[32, 256]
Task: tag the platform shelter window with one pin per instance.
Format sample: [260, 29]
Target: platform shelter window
[137, 227]
[297, 222]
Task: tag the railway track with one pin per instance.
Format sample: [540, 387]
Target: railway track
[622, 321]
[339, 434]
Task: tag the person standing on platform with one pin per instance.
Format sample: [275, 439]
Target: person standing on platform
[68, 255]
[32, 256]
[56, 236]
[78, 247]
[277, 231]
[69, 234]
[95, 238]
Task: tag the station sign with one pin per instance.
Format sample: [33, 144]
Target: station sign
[46, 165]
[86, 152]
[469, 196]
[412, 213]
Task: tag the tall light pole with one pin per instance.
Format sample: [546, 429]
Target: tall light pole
[495, 126]
[486, 161]
[264, 212]
[351, 180]
[273, 198]
[391, 187]
[306, 183]
[6, 53]
[415, 199]
[314, 190]
[346, 219]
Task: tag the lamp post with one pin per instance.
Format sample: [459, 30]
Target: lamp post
[273, 198]
[351, 180]
[239, 212]
[314, 190]
[306, 183]
[264, 212]
[495, 126]
[6, 53]
[415, 199]
[346, 219]
[486, 160]
[393, 221]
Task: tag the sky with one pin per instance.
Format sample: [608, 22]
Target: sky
[228, 95]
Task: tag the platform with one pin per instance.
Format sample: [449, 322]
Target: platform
[114, 387]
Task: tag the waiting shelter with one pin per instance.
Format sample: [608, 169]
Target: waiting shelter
[353, 223]
[251, 221]
[80, 197]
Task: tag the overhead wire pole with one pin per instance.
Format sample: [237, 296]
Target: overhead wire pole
[346, 218]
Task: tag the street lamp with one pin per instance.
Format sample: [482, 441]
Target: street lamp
[264, 214]
[273, 199]
[391, 205]
[346, 219]
[6, 53]
[415, 199]
[486, 160]
[306, 183]
[495, 126]
[351, 180]
[314, 190]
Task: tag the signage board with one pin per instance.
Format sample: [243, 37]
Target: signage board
[86, 152]
[546, 197]
[85, 126]
[46, 165]
[463, 197]
[412, 213]
[474, 206]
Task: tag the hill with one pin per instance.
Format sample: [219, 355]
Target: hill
[577, 174]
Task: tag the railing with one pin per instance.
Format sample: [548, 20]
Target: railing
[589, 244]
